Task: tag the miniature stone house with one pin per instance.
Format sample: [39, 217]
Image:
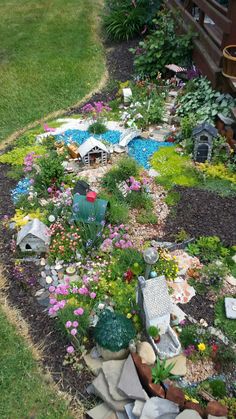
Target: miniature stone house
[93, 151]
[33, 237]
[155, 307]
[203, 135]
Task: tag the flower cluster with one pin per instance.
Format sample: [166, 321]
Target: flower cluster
[137, 185]
[118, 238]
[29, 161]
[22, 188]
[65, 241]
[96, 109]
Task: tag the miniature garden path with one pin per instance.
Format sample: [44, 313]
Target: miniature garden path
[50, 58]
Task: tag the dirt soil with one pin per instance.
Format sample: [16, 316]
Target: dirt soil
[203, 213]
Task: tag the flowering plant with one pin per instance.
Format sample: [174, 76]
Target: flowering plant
[65, 242]
[118, 238]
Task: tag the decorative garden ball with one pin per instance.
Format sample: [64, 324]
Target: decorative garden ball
[153, 274]
[51, 218]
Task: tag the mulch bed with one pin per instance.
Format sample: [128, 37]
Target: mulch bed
[203, 213]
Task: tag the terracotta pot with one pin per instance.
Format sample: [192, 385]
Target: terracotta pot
[157, 339]
[216, 409]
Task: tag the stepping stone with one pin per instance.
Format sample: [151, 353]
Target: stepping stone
[159, 408]
[180, 367]
[146, 353]
[94, 365]
[112, 371]
[102, 411]
[138, 408]
[230, 308]
[129, 382]
[102, 391]
[231, 280]
[189, 414]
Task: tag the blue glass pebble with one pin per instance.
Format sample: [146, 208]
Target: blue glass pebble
[140, 149]
[22, 188]
[153, 274]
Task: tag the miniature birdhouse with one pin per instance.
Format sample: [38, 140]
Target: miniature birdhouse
[93, 151]
[33, 237]
[203, 135]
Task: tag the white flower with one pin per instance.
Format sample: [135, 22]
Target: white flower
[51, 218]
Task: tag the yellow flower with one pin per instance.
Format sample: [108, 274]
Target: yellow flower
[201, 347]
[129, 315]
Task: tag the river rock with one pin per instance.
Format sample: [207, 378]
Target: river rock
[146, 353]
[159, 408]
[180, 367]
[102, 391]
[188, 414]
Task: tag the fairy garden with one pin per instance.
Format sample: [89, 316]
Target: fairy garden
[119, 231]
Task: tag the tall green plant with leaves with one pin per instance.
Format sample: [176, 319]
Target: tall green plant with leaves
[163, 46]
[161, 371]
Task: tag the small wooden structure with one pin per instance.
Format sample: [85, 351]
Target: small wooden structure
[93, 151]
[33, 237]
[203, 135]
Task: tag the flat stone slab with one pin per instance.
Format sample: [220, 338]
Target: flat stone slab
[112, 371]
[231, 280]
[216, 417]
[180, 367]
[129, 411]
[146, 353]
[95, 365]
[102, 411]
[159, 408]
[102, 391]
[129, 382]
[138, 408]
[230, 308]
[189, 414]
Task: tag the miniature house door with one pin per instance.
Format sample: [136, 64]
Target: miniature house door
[202, 153]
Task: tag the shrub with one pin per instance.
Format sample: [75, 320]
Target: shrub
[172, 198]
[208, 248]
[139, 199]
[218, 171]
[215, 387]
[214, 274]
[51, 172]
[113, 331]
[125, 168]
[147, 217]
[225, 356]
[188, 336]
[163, 46]
[97, 128]
[230, 403]
[125, 19]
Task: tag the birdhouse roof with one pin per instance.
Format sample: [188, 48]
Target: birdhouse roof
[89, 145]
[37, 229]
[156, 298]
[205, 126]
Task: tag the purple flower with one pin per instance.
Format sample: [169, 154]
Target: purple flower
[73, 332]
[75, 324]
[70, 349]
[93, 295]
[79, 311]
[68, 324]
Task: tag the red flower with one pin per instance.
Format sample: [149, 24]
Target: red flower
[128, 275]
[214, 347]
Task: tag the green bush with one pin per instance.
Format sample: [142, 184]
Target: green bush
[113, 331]
[215, 387]
[230, 403]
[188, 335]
[51, 172]
[208, 249]
[97, 128]
[125, 19]
[163, 46]
[17, 155]
[172, 198]
[225, 356]
[139, 199]
[125, 168]
[146, 217]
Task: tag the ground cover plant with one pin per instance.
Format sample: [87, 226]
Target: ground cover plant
[37, 80]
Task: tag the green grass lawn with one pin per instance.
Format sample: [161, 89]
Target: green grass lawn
[50, 57]
[24, 394]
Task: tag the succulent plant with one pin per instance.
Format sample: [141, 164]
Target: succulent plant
[113, 331]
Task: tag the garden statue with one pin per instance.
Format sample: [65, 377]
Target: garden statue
[155, 308]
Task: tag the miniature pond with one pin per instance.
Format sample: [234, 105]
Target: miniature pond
[140, 149]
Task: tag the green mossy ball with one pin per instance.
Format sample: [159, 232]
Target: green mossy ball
[113, 331]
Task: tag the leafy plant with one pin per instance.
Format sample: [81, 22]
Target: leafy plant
[51, 172]
[139, 199]
[215, 387]
[230, 403]
[207, 248]
[161, 372]
[213, 274]
[199, 98]
[125, 19]
[113, 331]
[17, 155]
[166, 266]
[172, 198]
[181, 236]
[147, 217]
[162, 46]
[225, 356]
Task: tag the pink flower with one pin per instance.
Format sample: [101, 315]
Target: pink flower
[51, 311]
[93, 295]
[52, 301]
[51, 288]
[73, 332]
[68, 324]
[49, 190]
[75, 324]
[70, 349]
[79, 311]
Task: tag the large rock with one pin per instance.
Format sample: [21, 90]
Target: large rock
[216, 409]
[189, 414]
[102, 411]
[93, 364]
[109, 355]
[180, 367]
[129, 382]
[146, 353]
[216, 417]
[138, 408]
[101, 389]
[159, 408]
[112, 371]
